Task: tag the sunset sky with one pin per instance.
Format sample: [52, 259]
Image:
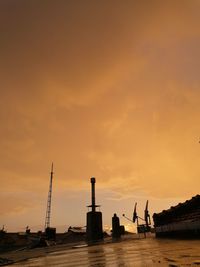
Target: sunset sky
[107, 88]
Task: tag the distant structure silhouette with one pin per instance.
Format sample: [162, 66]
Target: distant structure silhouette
[145, 226]
[116, 229]
[48, 210]
[28, 230]
[94, 229]
[147, 217]
[50, 233]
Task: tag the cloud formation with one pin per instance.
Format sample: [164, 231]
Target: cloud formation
[105, 89]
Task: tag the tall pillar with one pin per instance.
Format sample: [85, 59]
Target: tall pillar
[94, 229]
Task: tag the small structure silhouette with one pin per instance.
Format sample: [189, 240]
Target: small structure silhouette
[144, 227]
[116, 229]
[28, 230]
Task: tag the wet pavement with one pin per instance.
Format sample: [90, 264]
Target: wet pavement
[131, 252]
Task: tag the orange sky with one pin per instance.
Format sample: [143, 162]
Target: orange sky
[103, 88]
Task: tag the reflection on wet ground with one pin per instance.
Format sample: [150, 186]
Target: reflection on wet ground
[137, 252]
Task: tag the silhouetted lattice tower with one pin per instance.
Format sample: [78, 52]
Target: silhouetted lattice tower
[48, 211]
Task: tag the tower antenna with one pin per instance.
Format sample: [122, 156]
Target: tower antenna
[48, 211]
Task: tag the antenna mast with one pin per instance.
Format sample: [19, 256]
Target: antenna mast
[48, 211]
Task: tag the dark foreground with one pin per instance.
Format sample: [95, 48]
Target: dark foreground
[131, 251]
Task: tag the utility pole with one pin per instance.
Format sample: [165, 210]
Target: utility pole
[48, 211]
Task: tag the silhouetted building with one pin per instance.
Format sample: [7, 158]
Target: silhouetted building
[181, 220]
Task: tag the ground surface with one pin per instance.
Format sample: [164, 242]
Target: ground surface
[131, 251]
